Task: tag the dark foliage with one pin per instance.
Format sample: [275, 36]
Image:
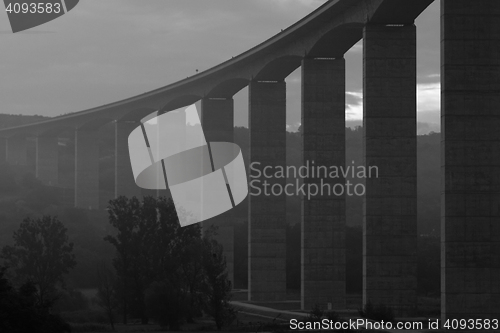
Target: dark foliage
[70, 300]
[167, 304]
[42, 255]
[317, 314]
[107, 297]
[216, 287]
[165, 271]
[20, 311]
[379, 312]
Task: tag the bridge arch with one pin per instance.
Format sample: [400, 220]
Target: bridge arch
[228, 88]
[336, 42]
[279, 68]
[179, 102]
[54, 131]
[136, 115]
[94, 124]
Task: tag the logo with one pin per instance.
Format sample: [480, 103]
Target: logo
[205, 179]
[26, 14]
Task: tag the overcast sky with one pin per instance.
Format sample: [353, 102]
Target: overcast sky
[107, 50]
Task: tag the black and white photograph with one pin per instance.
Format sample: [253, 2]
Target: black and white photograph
[262, 166]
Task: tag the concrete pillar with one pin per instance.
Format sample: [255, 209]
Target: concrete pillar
[267, 214]
[47, 160]
[217, 121]
[87, 169]
[16, 151]
[124, 177]
[470, 113]
[323, 216]
[390, 206]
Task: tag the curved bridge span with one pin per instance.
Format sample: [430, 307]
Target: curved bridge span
[317, 43]
[328, 32]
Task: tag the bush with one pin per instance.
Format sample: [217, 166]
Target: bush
[217, 287]
[20, 312]
[54, 323]
[333, 316]
[378, 313]
[317, 314]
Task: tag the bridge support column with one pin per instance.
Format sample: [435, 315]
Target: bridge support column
[390, 206]
[16, 151]
[124, 178]
[267, 214]
[470, 122]
[323, 215]
[47, 160]
[87, 169]
[217, 120]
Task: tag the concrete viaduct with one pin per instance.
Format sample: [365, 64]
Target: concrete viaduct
[470, 74]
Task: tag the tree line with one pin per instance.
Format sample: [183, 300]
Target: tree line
[160, 270]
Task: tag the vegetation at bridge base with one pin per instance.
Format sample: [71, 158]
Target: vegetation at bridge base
[161, 271]
[38, 260]
[164, 271]
[41, 255]
[379, 312]
[21, 312]
[106, 296]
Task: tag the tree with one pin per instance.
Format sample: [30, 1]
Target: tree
[192, 274]
[217, 287]
[123, 215]
[167, 304]
[20, 313]
[137, 227]
[169, 268]
[148, 243]
[106, 294]
[42, 254]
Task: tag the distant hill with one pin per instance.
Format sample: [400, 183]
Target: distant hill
[11, 120]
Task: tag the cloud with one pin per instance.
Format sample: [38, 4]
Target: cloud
[428, 96]
[428, 102]
[354, 97]
[354, 104]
